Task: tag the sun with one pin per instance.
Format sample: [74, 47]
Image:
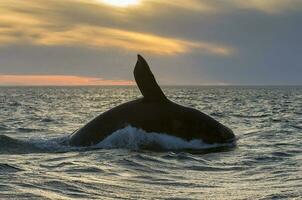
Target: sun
[121, 3]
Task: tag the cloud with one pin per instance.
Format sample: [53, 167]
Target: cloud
[269, 6]
[186, 42]
[220, 7]
[22, 26]
[102, 37]
[192, 5]
[52, 80]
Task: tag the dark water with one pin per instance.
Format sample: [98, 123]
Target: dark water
[265, 164]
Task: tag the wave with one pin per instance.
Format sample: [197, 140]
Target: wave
[28, 130]
[7, 168]
[136, 139]
[47, 120]
[127, 138]
[251, 116]
[10, 145]
[3, 128]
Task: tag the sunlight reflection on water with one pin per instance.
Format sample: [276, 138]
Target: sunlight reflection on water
[265, 165]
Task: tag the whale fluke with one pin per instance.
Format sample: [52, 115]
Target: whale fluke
[146, 81]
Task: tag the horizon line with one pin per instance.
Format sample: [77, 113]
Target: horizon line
[165, 85]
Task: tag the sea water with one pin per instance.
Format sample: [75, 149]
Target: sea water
[264, 163]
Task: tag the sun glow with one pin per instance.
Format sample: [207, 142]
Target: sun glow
[121, 3]
[54, 80]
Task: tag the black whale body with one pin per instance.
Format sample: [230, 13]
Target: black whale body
[152, 113]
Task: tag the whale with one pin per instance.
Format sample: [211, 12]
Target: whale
[153, 112]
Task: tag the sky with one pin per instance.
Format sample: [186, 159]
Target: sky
[192, 42]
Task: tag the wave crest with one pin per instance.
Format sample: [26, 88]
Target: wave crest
[135, 139]
[127, 138]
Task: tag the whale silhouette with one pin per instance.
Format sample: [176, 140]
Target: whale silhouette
[154, 112]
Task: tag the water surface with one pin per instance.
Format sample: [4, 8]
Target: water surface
[265, 164]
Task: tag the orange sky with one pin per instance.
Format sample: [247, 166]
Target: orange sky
[191, 42]
[53, 80]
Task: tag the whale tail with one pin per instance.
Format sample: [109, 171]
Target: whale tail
[146, 81]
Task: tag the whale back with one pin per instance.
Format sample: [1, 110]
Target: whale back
[146, 81]
[153, 113]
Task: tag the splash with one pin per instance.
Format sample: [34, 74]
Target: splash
[136, 139]
[127, 138]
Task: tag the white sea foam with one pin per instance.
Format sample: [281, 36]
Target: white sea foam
[134, 138]
[130, 138]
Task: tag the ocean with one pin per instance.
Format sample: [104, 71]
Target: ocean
[264, 163]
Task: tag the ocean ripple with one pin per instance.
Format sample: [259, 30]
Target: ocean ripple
[36, 163]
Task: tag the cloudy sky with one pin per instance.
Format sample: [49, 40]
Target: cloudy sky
[191, 42]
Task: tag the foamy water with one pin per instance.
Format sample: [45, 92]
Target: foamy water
[132, 164]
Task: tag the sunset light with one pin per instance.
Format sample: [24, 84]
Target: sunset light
[54, 80]
[194, 40]
[121, 3]
[150, 99]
